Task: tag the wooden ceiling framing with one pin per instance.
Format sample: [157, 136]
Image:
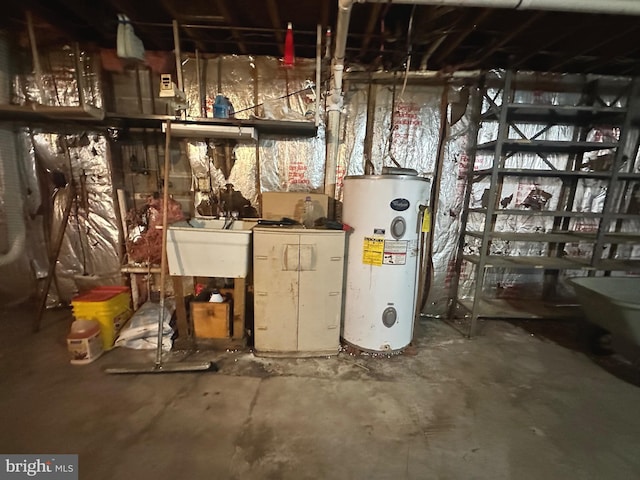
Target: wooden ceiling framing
[380, 34]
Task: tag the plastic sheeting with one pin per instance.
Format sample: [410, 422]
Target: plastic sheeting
[256, 87]
[31, 264]
[405, 134]
[410, 139]
[448, 211]
[214, 165]
[89, 254]
[59, 82]
[292, 165]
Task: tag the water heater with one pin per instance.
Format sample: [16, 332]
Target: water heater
[386, 213]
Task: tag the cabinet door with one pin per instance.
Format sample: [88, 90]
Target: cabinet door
[275, 263]
[321, 271]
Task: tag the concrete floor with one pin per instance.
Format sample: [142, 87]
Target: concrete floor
[507, 405]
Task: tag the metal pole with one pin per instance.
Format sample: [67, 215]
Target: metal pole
[35, 57]
[178, 55]
[318, 71]
[55, 253]
[165, 229]
[201, 103]
[79, 74]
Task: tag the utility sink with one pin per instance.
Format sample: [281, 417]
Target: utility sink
[203, 247]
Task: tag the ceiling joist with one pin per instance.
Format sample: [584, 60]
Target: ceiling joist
[231, 21]
[274, 15]
[444, 38]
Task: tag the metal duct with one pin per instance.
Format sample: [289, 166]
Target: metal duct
[11, 194]
[13, 204]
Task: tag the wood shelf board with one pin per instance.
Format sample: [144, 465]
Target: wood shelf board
[44, 113]
[92, 116]
[263, 126]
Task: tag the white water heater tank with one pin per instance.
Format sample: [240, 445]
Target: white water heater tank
[385, 212]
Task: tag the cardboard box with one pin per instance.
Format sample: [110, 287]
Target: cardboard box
[211, 320]
[276, 205]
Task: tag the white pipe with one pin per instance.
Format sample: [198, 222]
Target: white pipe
[318, 70]
[9, 173]
[178, 55]
[342, 30]
[612, 7]
[35, 57]
[334, 101]
[12, 196]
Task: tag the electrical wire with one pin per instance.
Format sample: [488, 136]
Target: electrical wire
[309, 87]
[409, 52]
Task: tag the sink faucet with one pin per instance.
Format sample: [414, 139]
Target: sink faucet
[230, 218]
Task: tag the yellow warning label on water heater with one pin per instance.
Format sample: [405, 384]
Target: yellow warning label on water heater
[373, 250]
[426, 221]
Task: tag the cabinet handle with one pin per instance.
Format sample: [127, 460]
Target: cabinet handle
[261, 257]
[336, 259]
[291, 257]
[261, 294]
[334, 294]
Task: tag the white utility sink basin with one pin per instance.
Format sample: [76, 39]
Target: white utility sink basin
[202, 247]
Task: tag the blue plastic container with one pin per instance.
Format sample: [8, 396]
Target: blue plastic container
[221, 107]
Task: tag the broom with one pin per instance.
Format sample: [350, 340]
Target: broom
[159, 366]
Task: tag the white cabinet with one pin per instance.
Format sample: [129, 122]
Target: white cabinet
[298, 277]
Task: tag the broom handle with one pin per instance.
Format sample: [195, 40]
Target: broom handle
[163, 247]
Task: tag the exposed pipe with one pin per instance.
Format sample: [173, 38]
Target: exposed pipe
[35, 57]
[335, 99]
[611, 7]
[12, 196]
[77, 60]
[318, 70]
[201, 95]
[9, 172]
[178, 55]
